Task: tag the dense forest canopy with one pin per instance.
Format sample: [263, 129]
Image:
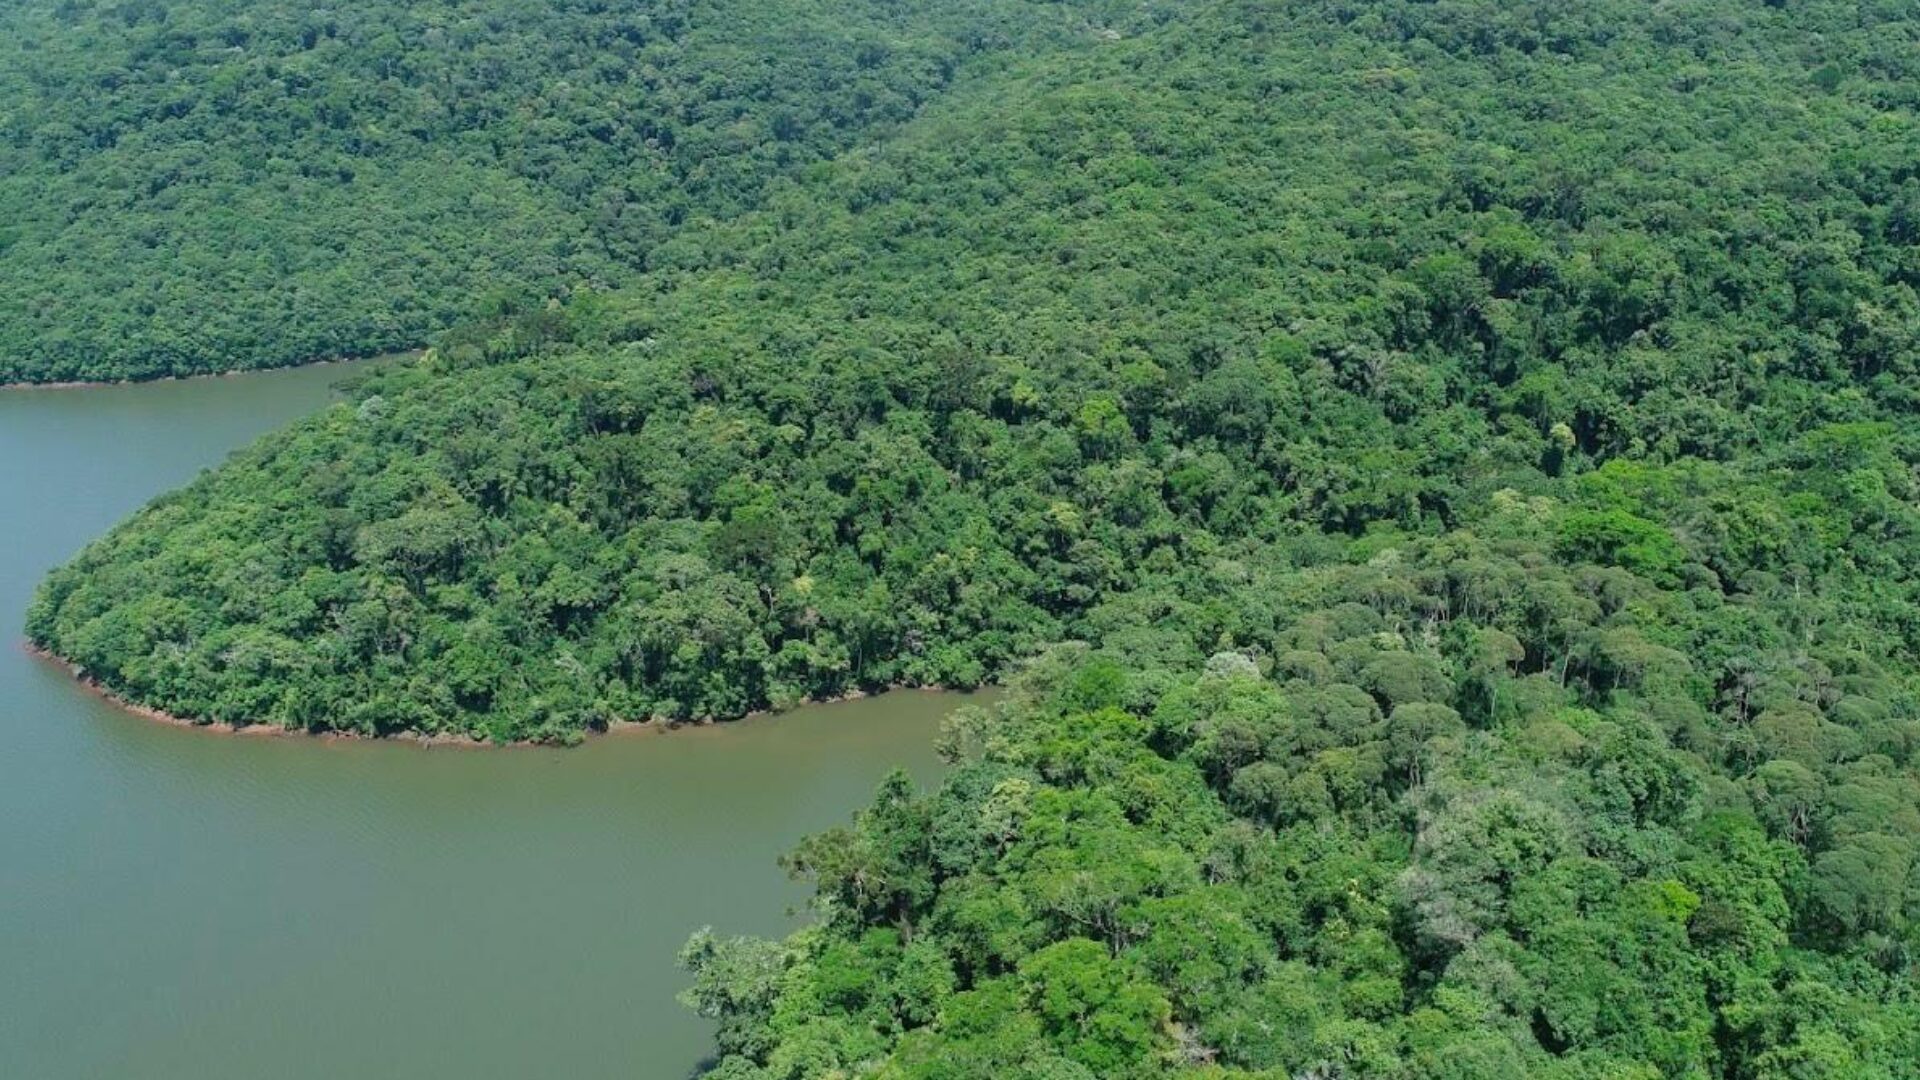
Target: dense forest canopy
[224, 184]
[1442, 479]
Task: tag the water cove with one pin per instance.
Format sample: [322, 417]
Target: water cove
[180, 904]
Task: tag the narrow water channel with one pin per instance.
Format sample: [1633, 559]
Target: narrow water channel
[180, 904]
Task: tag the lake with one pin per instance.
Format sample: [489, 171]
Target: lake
[180, 903]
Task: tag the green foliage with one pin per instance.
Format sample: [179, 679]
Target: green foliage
[1439, 476]
[216, 185]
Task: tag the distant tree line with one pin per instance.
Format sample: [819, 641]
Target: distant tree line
[215, 185]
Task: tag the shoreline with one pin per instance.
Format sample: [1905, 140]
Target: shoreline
[108, 384]
[423, 740]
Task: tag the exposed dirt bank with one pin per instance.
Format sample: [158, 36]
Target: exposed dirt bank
[456, 740]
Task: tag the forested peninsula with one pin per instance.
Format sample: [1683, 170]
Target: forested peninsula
[1441, 480]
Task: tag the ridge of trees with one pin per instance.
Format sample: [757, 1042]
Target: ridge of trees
[217, 185]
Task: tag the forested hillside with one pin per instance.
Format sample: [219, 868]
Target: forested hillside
[221, 184]
[1442, 477]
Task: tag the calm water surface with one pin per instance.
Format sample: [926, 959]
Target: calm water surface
[179, 904]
